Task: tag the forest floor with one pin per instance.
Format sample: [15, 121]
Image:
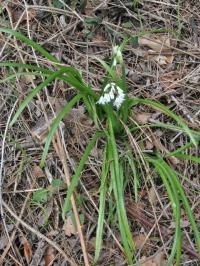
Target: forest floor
[162, 58]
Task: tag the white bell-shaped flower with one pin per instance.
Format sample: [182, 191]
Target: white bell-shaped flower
[112, 93]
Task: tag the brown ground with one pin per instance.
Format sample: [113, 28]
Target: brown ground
[163, 65]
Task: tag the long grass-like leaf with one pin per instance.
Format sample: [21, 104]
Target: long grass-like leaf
[175, 128]
[132, 164]
[118, 192]
[99, 231]
[25, 66]
[55, 125]
[75, 177]
[188, 157]
[111, 71]
[73, 78]
[21, 74]
[179, 189]
[166, 111]
[28, 41]
[33, 93]
[121, 225]
[166, 175]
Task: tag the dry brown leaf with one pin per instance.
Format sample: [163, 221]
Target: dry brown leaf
[167, 79]
[98, 38]
[184, 224]
[40, 130]
[27, 249]
[69, 228]
[58, 103]
[63, 22]
[49, 256]
[158, 44]
[157, 260]
[143, 118]
[23, 16]
[148, 145]
[37, 171]
[174, 160]
[139, 240]
[75, 115]
[163, 60]
[27, 79]
[152, 195]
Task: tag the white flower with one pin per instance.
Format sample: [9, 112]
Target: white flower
[117, 55]
[112, 93]
[119, 99]
[104, 99]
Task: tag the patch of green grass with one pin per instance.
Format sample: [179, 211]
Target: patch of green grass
[113, 175]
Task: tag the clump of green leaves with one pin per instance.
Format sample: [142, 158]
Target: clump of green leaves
[118, 127]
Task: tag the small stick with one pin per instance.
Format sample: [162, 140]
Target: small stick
[144, 220]
[38, 234]
[61, 154]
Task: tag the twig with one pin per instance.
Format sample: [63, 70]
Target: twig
[145, 221]
[14, 232]
[61, 153]
[39, 235]
[2, 166]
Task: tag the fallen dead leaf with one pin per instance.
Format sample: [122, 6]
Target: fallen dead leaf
[168, 79]
[21, 15]
[157, 260]
[163, 60]
[37, 171]
[158, 44]
[38, 254]
[40, 130]
[49, 256]
[143, 118]
[44, 216]
[152, 195]
[27, 249]
[69, 228]
[27, 79]
[63, 22]
[184, 224]
[139, 240]
[148, 145]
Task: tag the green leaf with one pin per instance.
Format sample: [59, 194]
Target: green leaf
[25, 66]
[111, 71]
[127, 25]
[57, 183]
[55, 125]
[74, 180]
[21, 74]
[33, 93]
[166, 111]
[58, 4]
[40, 196]
[95, 21]
[103, 188]
[28, 41]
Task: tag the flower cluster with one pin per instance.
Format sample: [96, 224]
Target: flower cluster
[112, 93]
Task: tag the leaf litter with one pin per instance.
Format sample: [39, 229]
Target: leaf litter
[160, 66]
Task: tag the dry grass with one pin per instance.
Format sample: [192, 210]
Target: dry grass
[160, 66]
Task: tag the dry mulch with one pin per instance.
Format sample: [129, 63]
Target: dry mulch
[162, 60]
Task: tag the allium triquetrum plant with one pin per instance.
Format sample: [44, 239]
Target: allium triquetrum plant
[111, 112]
